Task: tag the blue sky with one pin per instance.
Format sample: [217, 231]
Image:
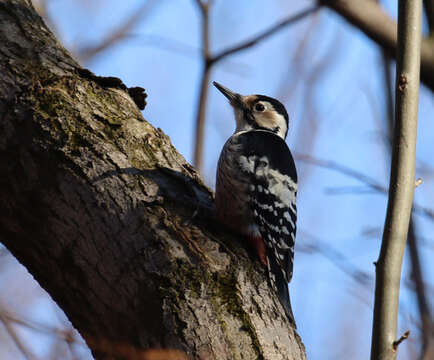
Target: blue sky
[329, 75]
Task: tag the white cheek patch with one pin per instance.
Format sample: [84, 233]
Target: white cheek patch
[272, 120]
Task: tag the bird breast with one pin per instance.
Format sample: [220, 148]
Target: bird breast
[232, 191]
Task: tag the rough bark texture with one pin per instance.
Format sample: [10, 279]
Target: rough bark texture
[99, 206]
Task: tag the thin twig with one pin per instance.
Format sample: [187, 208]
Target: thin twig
[14, 336]
[400, 340]
[334, 166]
[270, 31]
[203, 92]
[334, 255]
[420, 290]
[32, 325]
[208, 61]
[122, 31]
[401, 189]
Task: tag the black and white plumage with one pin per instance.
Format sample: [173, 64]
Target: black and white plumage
[256, 185]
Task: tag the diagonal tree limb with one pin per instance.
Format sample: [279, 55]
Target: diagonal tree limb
[263, 35]
[15, 338]
[370, 18]
[122, 31]
[98, 205]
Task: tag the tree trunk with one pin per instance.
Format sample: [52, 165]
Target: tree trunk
[112, 221]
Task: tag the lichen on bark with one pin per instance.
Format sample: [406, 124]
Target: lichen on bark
[113, 222]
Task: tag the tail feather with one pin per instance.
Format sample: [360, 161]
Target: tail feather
[280, 285]
[283, 294]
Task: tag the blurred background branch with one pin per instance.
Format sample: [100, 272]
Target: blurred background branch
[208, 61]
[429, 14]
[369, 17]
[121, 32]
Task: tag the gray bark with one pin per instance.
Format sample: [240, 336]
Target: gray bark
[98, 205]
[402, 182]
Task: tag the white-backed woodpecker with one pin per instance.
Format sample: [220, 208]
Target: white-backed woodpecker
[256, 185]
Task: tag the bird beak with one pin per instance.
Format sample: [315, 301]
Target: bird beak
[235, 99]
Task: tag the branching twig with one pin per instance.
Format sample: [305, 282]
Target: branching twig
[14, 336]
[401, 189]
[259, 37]
[209, 60]
[400, 340]
[370, 18]
[119, 33]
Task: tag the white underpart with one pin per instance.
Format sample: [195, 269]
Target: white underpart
[277, 120]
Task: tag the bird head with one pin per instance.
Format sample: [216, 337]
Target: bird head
[257, 112]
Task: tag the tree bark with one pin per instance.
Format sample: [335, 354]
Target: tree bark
[402, 183]
[113, 222]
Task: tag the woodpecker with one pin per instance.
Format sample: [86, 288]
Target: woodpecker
[256, 186]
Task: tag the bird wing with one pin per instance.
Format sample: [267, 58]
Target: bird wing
[268, 160]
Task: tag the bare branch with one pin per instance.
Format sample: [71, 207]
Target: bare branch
[9, 317]
[203, 92]
[200, 119]
[209, 61]
[119, 33]
[419, 285]
[370, 18]
[110, 236]
[416, 275]
[401, 189]
[335, 256]
[272, 30]
[331, 165]
[14, 336]
[328, 164]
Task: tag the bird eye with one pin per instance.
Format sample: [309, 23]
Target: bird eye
[259, 107]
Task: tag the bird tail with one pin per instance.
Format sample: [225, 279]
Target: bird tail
[280, 285]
